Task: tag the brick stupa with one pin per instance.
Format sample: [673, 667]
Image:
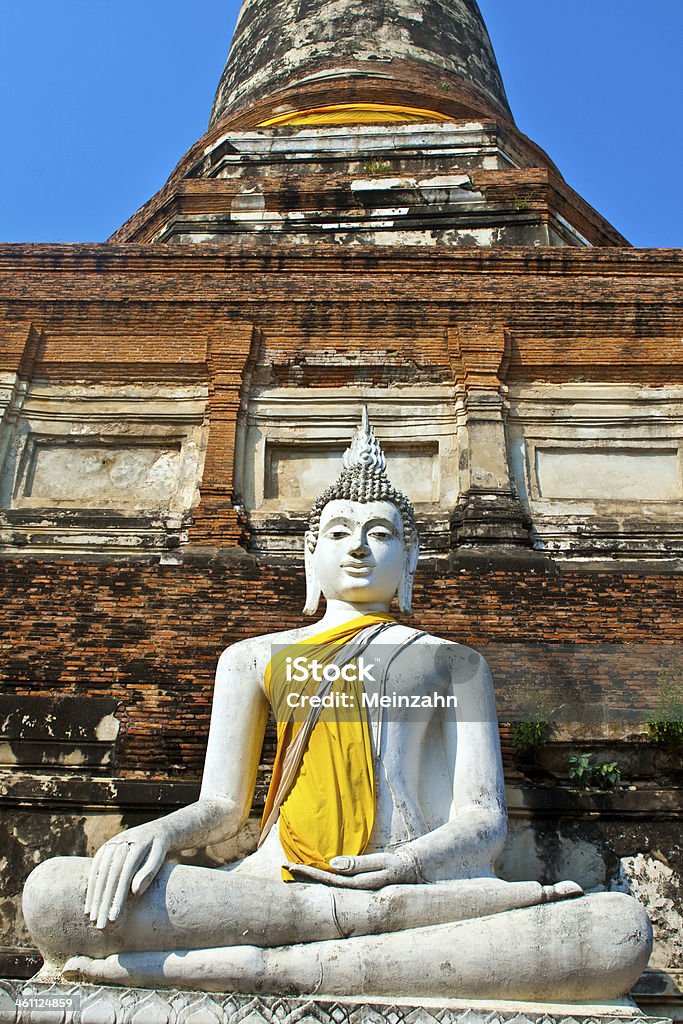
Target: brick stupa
[362, 224]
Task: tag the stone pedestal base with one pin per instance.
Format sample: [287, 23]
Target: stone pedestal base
[33, 1003]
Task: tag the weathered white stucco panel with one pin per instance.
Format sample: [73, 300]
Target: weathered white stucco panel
[599, 464]
[292, 439]
[129, 451]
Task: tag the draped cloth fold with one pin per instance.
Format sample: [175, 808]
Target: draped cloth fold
[327, 808]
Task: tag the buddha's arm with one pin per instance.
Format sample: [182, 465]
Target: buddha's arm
[471, 839]
[129, 862]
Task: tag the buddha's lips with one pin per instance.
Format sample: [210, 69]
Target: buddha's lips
[357, 569]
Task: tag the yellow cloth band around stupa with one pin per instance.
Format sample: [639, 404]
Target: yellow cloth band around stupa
[355, 113]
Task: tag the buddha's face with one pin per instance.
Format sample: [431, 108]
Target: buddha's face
[361, 553]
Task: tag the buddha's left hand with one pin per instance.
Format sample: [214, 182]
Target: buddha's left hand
[370, 871]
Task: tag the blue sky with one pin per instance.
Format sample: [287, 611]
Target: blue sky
[99, 99]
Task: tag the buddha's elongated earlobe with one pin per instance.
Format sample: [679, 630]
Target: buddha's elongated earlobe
[405, 587]
[313, 591]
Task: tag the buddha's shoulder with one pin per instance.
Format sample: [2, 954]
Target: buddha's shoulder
[256, 651]
[443, 650]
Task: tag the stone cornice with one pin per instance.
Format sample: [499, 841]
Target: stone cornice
[100, 258]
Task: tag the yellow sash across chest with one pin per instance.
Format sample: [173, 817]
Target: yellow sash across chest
[329, 810]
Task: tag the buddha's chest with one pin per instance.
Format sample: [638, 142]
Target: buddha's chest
[414, 767]
[403, 707]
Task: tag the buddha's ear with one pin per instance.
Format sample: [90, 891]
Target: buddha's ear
[313, 591]
[405, 587]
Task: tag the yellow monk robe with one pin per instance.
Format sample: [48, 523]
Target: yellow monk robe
[330, 808]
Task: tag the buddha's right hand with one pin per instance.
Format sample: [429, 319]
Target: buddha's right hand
[128, 863]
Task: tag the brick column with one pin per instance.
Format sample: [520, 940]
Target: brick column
[488, 511]
[18, 354]
[216, 520]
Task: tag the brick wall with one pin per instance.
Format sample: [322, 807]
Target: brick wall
[149, 635]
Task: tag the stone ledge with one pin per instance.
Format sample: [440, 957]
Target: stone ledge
[19, 963]
[492, 558]
[32, 789]
[92, 1004]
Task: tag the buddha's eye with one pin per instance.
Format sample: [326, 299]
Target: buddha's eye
[379, 533]
[338, 533]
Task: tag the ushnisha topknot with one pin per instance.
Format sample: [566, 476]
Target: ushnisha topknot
[363, 479]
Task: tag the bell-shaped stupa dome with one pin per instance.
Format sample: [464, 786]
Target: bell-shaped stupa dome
[296, 56]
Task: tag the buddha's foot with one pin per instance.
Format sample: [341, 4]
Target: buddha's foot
[560, 891]
[143, 969]
[588, 950]
[86, 968]
[203, 969]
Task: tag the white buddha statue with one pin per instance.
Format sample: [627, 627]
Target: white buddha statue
[374, 875]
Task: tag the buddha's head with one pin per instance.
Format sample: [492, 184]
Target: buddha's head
[361, 545]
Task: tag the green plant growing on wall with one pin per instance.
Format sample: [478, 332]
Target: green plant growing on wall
[377, 166]
[590, 774]
[665, 724]
[522, 203]
[531, 730]
[528, 736]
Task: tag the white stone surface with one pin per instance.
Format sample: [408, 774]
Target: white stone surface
[608, 472]
[101, 1005]
[657, 886]
[121, 474]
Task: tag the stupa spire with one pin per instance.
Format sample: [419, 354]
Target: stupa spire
[297, 55]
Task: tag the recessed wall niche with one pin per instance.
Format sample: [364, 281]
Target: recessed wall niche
[296, 474]
[108, 472]
[101, 466]
[291, 442]
[599, 466]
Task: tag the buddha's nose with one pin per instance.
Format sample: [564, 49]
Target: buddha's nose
[359, 546]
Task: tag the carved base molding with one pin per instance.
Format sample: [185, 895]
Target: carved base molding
[490, 517]
[79, 531]
[25, 1003]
